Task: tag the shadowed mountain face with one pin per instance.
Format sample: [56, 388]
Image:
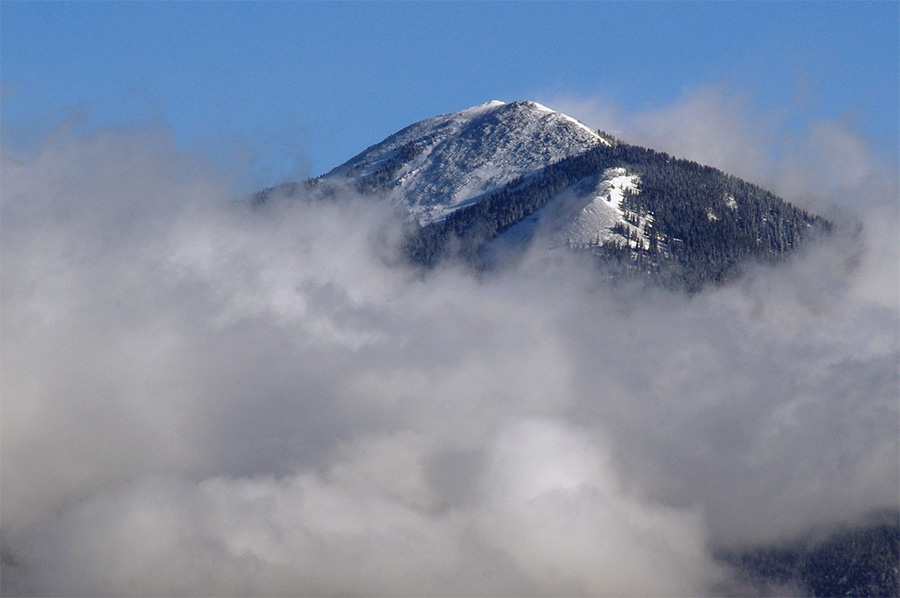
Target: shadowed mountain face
[486, 184]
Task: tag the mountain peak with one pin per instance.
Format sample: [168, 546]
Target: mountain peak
[441, 164]
[476, 110]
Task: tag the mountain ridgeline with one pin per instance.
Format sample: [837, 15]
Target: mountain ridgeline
[500, 178]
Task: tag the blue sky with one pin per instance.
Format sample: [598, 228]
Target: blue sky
[291, 89]
[277, 405]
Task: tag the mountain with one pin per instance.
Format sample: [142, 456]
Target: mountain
[441, 164]
[483, 184]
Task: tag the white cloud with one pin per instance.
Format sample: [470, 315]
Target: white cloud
[706, 125]
[199, 398]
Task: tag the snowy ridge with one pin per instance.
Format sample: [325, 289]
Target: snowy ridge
[594, 223]
[586, 214]
[441, 164]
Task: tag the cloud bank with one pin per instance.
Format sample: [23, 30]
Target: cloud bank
[199, 398]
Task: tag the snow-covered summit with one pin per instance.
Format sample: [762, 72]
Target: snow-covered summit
[440, 164]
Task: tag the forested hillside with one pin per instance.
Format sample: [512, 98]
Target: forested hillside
[858, 561]
[703, 223]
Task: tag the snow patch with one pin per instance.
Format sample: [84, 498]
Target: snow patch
[584, 215]
[616, 181]
[595, 222]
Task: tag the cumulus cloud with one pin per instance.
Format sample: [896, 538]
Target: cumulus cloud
[203, 398]
[706, 124]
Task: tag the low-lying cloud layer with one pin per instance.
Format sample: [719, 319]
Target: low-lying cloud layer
[199, 398]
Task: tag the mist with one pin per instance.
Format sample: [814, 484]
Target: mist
[201, 398]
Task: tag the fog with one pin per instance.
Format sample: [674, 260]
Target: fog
[203, 398]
